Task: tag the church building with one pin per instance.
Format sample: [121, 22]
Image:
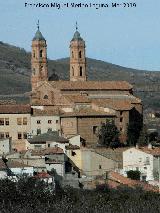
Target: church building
[82, 104]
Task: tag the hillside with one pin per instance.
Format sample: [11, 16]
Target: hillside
[15, 74]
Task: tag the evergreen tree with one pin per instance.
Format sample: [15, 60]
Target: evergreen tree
[109, 134]
[143, 138]
[134, 127]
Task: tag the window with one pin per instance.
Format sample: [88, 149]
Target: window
[24, 135]
[1, 121]
[73, 153]
[57, 121]
[72, 54]
[49, 121]
[121, 119]
[120, 129]
[1, 135]
[100, 167]
[19, 135]
[7, 121]
[144, 178]
[45, 97]
[49, 145]
[19, 121]
[25, 121]
[7, 134]
[38, 121]
[73, 71]
[49, 129]
[95, 130]
[38, 131]
[121, 112]
[80, 54]
[41, 53]
[80, 71]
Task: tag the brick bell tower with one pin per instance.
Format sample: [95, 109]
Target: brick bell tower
[77, 58]
[39, 59]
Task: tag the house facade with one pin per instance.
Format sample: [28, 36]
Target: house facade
[145, 160]
[15, 122]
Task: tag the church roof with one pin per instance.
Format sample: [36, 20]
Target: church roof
[114, 103]
[77, 37]
[91, 85]
[78, 98]
[87, 112]
[38, 36]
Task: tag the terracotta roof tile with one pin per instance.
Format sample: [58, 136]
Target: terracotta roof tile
[78, 98]
[113, 103]
[15, 109]
[52, 112]
[72, 147]
[86, 112]
[114, 176]
[91, 85]
[7, 102]
[42, 175]
[12, 164]
[153, 151]
[47, 151]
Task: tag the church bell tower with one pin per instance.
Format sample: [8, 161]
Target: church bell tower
[39, 59]
[77, 58]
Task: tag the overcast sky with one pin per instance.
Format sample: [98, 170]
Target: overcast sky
[124, 36]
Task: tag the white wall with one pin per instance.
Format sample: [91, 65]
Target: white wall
[59, 167]
[136, 159]
[24, 170]
[75, 140]
[44, 125]
[56, 144]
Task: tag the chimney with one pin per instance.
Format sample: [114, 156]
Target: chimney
[150, 146]
[137, 146]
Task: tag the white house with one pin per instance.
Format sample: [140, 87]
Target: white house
[146, 160]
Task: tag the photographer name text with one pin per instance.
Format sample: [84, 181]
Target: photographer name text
[97, 6]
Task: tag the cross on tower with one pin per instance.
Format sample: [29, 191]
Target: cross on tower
[76, 26]
[38, 24]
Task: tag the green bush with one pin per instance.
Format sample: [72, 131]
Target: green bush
[134, 175]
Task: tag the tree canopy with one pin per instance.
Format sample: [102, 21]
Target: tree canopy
[108, 134]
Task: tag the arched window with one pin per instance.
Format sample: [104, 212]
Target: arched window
[72, 54]
[72, 71]
[45, 97]
[80, 71]
[41, 53]
[80, 54]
